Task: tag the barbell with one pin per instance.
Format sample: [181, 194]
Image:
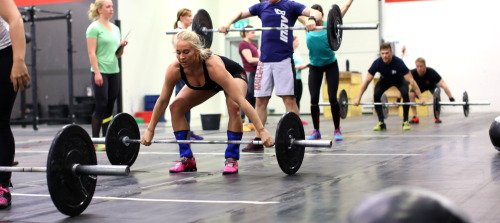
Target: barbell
[123, 141]
[202, 25]
[71, 170]
[343, 103]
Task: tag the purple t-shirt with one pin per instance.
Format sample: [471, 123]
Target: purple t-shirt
[252, 68]
[277, 45]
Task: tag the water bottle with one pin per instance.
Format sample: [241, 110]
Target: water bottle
[347, 65]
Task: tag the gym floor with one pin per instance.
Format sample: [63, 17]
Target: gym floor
[455, 159]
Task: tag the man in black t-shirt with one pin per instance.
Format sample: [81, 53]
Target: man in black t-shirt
[427, 80]
[393, 72]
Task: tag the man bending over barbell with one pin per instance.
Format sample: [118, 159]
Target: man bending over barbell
[427, 80]
[205, 74]
[393, 72]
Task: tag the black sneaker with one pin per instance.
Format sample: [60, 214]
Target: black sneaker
[253, 147]
[437, 120]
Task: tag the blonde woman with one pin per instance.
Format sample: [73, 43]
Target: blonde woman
[104, 47]
[205, 75]
[184, 21]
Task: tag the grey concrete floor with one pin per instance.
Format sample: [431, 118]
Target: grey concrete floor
[455, 159]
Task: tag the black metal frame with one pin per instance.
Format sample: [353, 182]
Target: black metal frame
[29, 16]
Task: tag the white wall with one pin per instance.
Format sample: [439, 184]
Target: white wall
[459, 38]
[150, 50]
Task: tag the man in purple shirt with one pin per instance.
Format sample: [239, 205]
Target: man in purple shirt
[275, 68]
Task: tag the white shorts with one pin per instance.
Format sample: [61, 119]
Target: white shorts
[280, 75]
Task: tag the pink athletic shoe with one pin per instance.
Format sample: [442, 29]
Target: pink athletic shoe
[5, 197]
[184, 164]
[231, 166]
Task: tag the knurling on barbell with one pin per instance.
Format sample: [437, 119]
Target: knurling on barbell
[202, 25]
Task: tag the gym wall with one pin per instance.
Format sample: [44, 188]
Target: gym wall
[150, 51]
[52, 63]
[458, 38]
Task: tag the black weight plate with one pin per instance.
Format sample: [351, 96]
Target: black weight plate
[289, 157]
[436, 104]
[70, 193]
[202, 20]
[333, 22]
[343, 100]
[118, 153]
[465, 99]
[385, 108]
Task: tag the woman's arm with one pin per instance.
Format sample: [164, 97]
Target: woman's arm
[91, 48]
[19, 74]
[247, 54]
[344, 8]
[171, 77]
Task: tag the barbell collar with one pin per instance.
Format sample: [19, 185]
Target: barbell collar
[103, 170]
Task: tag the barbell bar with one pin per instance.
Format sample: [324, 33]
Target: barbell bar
[415, 103]
[306, 143]
[71, 170]
[123, 143]
[202, 25]
[343, 103]
[205, 30]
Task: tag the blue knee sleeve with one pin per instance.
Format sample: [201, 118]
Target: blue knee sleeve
[233, 150]
[184, 149]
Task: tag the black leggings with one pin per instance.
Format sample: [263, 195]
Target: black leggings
[249, 96]
[105, 97]
[7, 143]
[381, 87]
[298, 91]
[332, 78]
